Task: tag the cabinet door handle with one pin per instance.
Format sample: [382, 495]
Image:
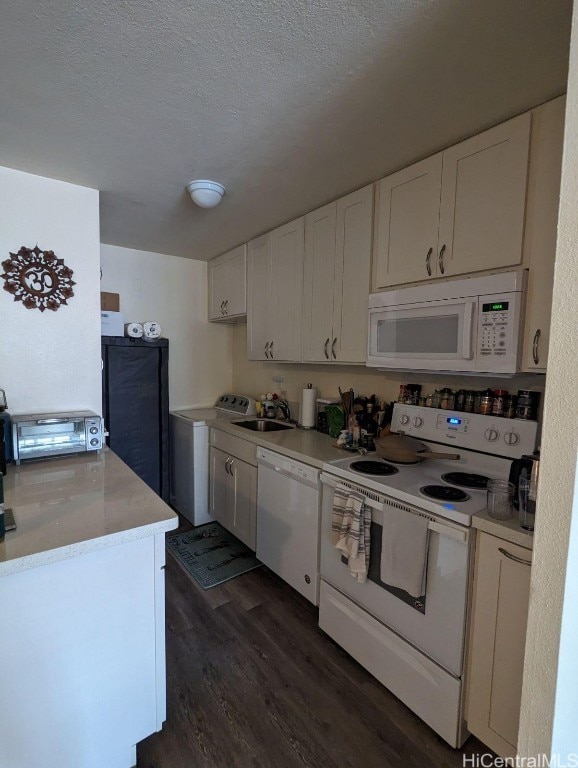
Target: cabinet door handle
[441, 259]
[333, 348]
[271, 350]
[267, 350]
[327, 340]
[428, 262]
[231, 466]
[513, 557]
[535, 344]
[227, 465]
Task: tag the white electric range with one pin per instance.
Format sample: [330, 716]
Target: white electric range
[415, 646]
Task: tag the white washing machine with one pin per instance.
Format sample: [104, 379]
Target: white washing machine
[189, 440]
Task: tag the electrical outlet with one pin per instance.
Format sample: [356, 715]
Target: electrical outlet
[278, 379]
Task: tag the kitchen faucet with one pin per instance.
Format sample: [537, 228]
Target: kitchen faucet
[283, 405]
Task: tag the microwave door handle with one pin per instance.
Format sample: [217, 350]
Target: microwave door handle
[467, 329]
[53, 421]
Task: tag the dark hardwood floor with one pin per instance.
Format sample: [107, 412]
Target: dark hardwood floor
[253, 681]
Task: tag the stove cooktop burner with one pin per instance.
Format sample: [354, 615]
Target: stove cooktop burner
[444, 493]
[373, 468]
[467, 480]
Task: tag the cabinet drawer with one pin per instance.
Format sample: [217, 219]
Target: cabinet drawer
[234, 446]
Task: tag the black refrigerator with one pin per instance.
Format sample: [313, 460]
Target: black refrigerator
[135, 406]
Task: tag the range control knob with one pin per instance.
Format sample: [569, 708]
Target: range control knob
[511, 438]
[491, 435]
[418, 421]
[233, 401]
[404, 419]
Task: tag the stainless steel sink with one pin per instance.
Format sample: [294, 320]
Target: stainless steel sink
[262, 425]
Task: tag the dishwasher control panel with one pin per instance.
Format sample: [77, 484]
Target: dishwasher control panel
[287, 465]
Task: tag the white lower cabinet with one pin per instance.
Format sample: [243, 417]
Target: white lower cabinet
[84, 658]
[497, 642]
[234, 495]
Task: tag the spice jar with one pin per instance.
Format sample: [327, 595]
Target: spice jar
[446, 399]
[429, 400]
[499, 402]
[435, 402]
[460, 402]
[510, 406]
[470, 401]
[486, 402]
[527, 407]
[403, 394]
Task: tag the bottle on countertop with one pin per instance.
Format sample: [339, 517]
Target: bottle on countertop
[486, 402]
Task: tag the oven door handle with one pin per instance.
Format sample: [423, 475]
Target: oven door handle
[63, 420]
[445, 530]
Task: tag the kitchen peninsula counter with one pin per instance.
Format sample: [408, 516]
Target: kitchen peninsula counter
[82, 599]
[65, 507]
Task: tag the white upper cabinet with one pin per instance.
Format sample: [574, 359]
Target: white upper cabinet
[407, 223]
[227, 285]
[275, 280]
[541, 229]
[457, 212]
[483, 200]
[259, 300]
[318, 278]
[338, 239]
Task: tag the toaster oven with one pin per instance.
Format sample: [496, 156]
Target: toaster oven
[46, 435]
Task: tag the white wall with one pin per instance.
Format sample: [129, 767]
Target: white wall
[173, 291]
[557, 467]
[50, 361]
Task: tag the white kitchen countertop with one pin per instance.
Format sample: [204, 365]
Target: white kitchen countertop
[66, 507]
[306, 445]
[509, 530]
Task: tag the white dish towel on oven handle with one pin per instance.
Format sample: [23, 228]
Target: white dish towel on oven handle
[404, 551]
[351, 530]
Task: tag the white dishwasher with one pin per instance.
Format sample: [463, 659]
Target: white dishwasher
[288, 521]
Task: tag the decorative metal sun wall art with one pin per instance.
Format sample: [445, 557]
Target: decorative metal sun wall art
[38, 279]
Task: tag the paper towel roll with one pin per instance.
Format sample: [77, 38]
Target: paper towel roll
[309, 407]
[133, 330]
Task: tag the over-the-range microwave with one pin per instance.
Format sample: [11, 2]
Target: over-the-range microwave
[471, 326]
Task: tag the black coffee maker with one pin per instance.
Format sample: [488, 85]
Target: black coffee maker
[528, 466]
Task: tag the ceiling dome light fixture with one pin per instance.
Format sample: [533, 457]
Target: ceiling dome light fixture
[206, 194]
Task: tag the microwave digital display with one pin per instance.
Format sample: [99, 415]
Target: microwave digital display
[497, 306]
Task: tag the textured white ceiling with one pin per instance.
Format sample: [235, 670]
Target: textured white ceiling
[288, 103]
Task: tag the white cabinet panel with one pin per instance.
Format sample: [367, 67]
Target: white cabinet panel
[318, 283]
[275, 280]
[407, 221]
[259, 300]
[483, 199]
[234, 495]
[83, 659]
[287, 247]
[498, 637]
[541, 229]
[352, 275]
[227, 285]
[338, 241]
[242, 501]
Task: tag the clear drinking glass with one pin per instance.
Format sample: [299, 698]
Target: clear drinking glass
[500, 494]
